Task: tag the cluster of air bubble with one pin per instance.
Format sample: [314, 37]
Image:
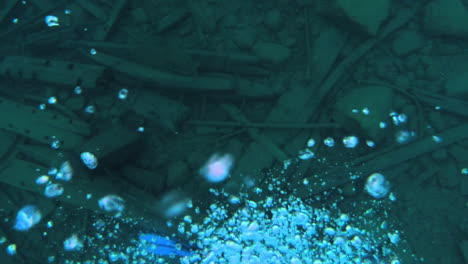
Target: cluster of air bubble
[119, 240]
[282, 230]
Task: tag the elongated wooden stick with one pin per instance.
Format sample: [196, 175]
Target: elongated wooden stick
[261, 125]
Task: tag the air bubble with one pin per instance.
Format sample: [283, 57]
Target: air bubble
[123, 93]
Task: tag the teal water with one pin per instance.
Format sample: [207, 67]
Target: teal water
[162, 131]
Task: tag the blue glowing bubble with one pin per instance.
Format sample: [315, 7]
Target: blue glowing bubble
[89, 160]
[51, 21]
[27, 217]
[43, 179]
[112, 203]
[123, 93]
[53, 190]
[306, 154]
[377, 186]
[329, 142]
[11, 249]
[404, 136]
[350, 141]
[77, 89]
[90, 109]
[73, 243]
[311, 143]
[65, 172]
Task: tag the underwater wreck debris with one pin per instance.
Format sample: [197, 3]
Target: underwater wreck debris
[444, 103]
[236, 114]
[266, 133]
[307, 105]
[344, 66]
[339, 72]
[5, 10]
[273, 125]
[109, 17]
[108, 145]
[43, 126]
[66, 73]
[159, 110]
[168, 80]
[103, 30]
[169, 21]
[93, 8]
[161, 78]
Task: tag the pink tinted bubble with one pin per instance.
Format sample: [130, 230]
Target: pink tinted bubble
[53, 190]
[112, 203]
[377, 186]
[217, 168]
[27, 217]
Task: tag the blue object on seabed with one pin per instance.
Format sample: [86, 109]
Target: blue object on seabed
[160, 245]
